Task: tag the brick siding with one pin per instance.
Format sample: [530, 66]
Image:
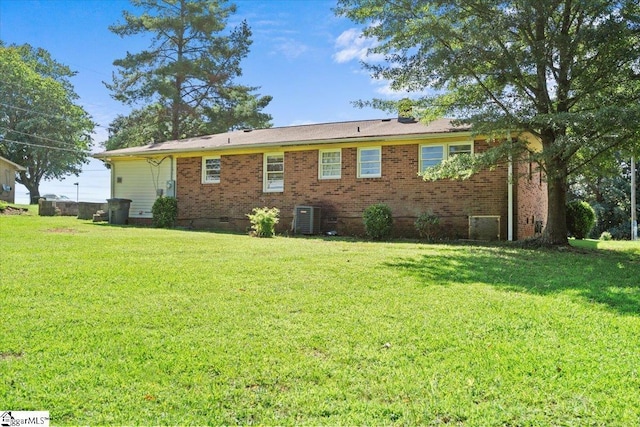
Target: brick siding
[530, 199]
[225, 204]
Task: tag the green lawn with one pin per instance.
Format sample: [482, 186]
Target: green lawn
[107, 325]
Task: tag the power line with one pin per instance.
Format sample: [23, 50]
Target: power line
[45, 114]
[37, 136]
[39, 145]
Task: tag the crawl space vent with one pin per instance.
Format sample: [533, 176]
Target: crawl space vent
[484, 227]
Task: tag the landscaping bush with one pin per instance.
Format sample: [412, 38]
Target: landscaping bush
[378, 221]
[263, 221]
[427, 225]
[606, 236]
[580, 218]
[165, 212]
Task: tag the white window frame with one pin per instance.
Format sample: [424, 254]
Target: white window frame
[421, 167]
[205, 178]
[379, 162]
[446, 151]
[322, 174]
[469, 144]
[267, 173]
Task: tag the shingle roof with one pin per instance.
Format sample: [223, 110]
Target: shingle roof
[294, 135]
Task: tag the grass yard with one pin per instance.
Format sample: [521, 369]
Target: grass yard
[107, 325]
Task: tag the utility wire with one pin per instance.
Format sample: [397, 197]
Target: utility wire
[40, 146]
[69, 144]
[45, 114]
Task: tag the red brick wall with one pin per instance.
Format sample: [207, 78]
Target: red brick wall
[342, 201]
[530, 199]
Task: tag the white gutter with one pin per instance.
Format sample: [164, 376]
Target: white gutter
[634, 221]
[510, 193]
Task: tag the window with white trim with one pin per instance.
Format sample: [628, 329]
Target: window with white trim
[430, 155]
[433, 155]
[273, 172]
[330, 164]
[211, 170]
[369, 162]
[455, 149]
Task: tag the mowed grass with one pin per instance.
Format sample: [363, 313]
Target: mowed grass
[108, 325]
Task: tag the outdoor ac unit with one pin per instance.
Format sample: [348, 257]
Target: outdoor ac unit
[306, 220]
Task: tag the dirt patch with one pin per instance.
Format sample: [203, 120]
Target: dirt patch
[6, 355]
[61, 230]
[12, 210]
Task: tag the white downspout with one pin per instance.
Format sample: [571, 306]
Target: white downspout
[510, 193]
[634, 220]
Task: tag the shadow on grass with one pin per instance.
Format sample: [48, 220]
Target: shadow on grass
[604, 277]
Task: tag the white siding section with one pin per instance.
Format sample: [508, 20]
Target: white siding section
[138, 181]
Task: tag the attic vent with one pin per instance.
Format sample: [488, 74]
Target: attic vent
[247, 130]
[306, 220]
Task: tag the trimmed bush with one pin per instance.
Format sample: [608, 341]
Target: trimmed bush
[164, 212]
[580, 218]
[263, 221]
[378, 221]
[427, 225]
[606, 236]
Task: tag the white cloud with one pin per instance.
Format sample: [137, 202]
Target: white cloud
[352, 44]
[290, 48]
[302, 122]
[383, 87]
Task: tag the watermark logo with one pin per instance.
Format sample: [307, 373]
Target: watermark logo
[24, 418]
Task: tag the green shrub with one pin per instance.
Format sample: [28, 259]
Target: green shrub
[263, 221]
[606, 236]
[165, 212]
[427, 225]
[580, 218]
[378, 221]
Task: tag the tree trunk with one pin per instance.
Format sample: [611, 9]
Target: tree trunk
[555, 232]
[34, 194]
[33, 187]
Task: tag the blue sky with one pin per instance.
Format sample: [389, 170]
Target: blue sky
[302, 55]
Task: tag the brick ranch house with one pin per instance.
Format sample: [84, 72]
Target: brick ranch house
[340, 168]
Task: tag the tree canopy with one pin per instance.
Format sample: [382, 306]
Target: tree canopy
[564, 71]
[41, 126]
[184, 84]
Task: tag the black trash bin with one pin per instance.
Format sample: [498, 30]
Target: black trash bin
[118, 211]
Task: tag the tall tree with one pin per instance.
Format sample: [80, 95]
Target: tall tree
[41, 127]
[565, 71]
[184, 84]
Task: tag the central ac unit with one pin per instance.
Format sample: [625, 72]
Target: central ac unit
[306, 220]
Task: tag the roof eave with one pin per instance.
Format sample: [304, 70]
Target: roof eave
[16, 166]
[106, 155]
